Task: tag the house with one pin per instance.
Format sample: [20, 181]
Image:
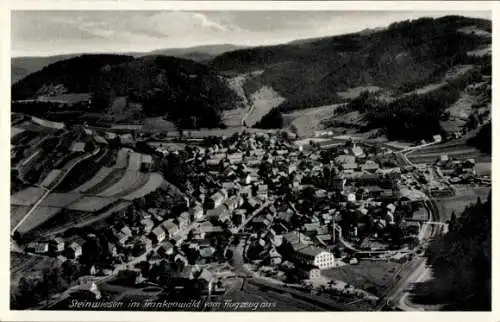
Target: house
[262, 191]
[184, 220]
[351, 197]
[126, 138]
[309, 272]
[246, 191]
[74, 250]
[215, 200]
[312, 255]
[38, 247]
[357, 151]
[232, 203]
[338, 183]
[349, 166]
[112, 249]
[170, 228]
[345, 158]
[235, 158]
[437, 138]
[230, 187]
[219, 214]
[370, 166]
[147, 224]
[207, 252]
[126, 231]
[196, 212]
[158, 234]
[57, 244]
[77, 147]
[148, 244]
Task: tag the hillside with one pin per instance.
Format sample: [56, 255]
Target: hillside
[185, 92]
[401, 58]
[23, 66]
[197, 53]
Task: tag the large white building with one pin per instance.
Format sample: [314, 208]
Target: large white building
[315, 256]
[305, 253]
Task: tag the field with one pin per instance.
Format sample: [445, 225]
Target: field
[27, 196]
[262, 102]
[122, 158]
[61, 200]
[456, 149]
[154, 181]
[16, 130]
[46, 123]
[158, 124]
[114, 176]
[49, 179]
[307, 121]
[233, 117]
[483, 168]
[354, 92]
[38, 217]
[367, 275]
[464, 197]
[61, 223]
[134, 161]
[17, 213]
[96, 179]
[91, 204]
[130, 181]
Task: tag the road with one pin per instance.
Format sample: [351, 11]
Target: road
[64, 172]
[399, 294]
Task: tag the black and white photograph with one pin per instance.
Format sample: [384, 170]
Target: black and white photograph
[250, 161]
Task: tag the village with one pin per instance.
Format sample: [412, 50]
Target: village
[257, 205]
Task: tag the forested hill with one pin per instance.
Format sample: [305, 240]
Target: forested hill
[461, 262]
[405, 56]
[188, 93]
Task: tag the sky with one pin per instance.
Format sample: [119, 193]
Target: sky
[44, 33]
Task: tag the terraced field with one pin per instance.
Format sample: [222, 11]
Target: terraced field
[49, 179]
[95, 180]
[92, 203]
[27, 196]
[154, 182]
[60, 200]
[114, 176]
[38, 217]
[130, 181]
[17, 213]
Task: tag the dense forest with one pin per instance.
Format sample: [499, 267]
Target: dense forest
[482, 140]
[461, 263]
[403, 57]
[187, 93]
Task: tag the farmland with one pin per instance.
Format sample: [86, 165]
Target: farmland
[17, 213]
[91, 203]
[456, 149]
[154, 181]
[49, 179]
[463, 198]
[262, 102]
[38, 217]
[70, 219]
[96, 179]
[372, 276]
[27, 196]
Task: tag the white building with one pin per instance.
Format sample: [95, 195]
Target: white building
[315, 256]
